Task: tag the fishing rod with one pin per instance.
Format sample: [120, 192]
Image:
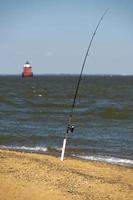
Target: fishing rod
[70, 127]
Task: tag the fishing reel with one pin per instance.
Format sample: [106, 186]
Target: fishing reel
[70, 128]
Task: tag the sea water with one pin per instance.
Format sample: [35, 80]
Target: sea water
[34, 114]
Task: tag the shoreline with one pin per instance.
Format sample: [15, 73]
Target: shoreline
[118, 161]
[35, 176]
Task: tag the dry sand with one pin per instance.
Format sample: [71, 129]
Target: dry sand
[28, 176]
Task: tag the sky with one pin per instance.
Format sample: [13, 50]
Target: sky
[53, 35]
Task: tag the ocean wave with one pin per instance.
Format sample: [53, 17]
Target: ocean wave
[115, 113]
[108, 159]
[11, 138]
[25, 148]
[109, 112]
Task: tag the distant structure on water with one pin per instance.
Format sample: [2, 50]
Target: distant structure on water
[27, 70]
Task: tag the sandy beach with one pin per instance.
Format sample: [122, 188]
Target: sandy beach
[29, 176]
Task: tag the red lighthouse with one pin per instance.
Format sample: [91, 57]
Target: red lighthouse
[27, 70]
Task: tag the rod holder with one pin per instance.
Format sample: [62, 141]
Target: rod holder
[63, 149]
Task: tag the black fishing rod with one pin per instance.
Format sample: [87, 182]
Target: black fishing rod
[70, 127]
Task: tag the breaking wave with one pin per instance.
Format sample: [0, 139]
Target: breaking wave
[26, 148]
[108, 159]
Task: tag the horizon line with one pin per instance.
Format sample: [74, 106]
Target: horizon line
[72, 74]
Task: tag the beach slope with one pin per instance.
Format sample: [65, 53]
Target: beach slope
[29, 176]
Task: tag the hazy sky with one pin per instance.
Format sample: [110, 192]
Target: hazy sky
[54, 34]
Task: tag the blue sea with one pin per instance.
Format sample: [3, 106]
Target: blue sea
[34, 114]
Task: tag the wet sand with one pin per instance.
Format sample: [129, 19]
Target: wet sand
[29, 176]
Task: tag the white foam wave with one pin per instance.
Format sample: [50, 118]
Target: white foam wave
[107, 159]
[26, 148]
